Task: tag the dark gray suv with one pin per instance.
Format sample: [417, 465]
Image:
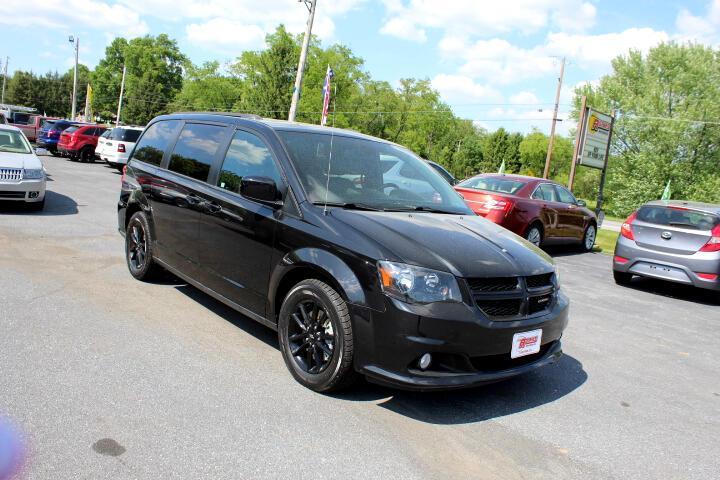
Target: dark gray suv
[675, 240]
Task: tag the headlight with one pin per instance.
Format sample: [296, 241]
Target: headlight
[418, 285]
[33, 174]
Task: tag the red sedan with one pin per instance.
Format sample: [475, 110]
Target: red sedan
[542, 211]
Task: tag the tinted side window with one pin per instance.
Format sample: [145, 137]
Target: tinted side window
[130, 135]
[155, 141]
[565, 196]
[195, 150]
[247, 156]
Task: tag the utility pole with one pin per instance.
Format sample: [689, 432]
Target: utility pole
[76, 42]
[303, 57]
[578, 139]
[7, 59]
[546, 174]
[122, 89]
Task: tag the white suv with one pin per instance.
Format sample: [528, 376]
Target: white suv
[22, 177]
[116, 147]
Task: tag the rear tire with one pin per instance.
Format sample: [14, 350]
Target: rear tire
[589, 237]
[139, 249]
[622, 278]
[534, 234]
[87, 155]
[316, 337]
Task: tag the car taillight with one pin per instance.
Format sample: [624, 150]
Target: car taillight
[626, 228]
[619, 259]
[121, 147]
[497, 204]
[713, 245]
[51, 133]
[708, 276]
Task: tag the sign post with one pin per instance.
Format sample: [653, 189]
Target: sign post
[578, 139]
[595, 146]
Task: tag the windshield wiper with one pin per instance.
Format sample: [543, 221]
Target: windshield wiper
[422, 208]
[683, 224]
[350, 206]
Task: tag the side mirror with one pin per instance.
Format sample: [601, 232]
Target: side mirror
[41, 152]
[581, 203]
[262, 189]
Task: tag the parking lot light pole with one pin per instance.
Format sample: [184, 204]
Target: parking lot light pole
[303, 57]
[122, 90]
[76, 42]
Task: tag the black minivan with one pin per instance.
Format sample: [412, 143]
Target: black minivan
[294, 226]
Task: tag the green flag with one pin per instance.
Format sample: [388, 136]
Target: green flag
[502, 168]
[666, 192]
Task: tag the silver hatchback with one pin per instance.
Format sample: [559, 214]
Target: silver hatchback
[671, 240]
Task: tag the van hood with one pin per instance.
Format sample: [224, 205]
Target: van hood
[19, 160]
[466, 246]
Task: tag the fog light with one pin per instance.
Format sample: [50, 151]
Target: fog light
[424, 362]
[33, 194]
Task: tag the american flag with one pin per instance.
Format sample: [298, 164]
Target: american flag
[326, 95]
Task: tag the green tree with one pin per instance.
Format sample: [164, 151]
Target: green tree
[154, 76]
[533, 153]
[206, 88]
[662, 100]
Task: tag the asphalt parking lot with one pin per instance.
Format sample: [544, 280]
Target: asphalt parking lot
[111, 378]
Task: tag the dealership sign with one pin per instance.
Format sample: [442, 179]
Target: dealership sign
[595, 139]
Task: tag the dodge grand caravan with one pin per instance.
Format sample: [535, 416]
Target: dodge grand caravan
[294, 226]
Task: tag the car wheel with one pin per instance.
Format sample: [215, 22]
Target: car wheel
[87, 156]
[316, 338]
[588, 240]
[534, 234]
[622, 278]
[138, 248]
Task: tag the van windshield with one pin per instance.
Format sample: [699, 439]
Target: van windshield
[368, 174]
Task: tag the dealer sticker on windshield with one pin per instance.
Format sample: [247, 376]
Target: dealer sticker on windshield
[526, 343]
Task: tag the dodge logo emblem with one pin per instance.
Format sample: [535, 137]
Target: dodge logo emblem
[666, 235]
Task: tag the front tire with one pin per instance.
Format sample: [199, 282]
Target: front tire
[316, 338]
[139, 250]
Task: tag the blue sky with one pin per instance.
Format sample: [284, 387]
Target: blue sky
[493, 61]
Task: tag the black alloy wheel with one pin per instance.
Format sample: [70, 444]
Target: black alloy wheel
[315, 335]
[311, 337]
[138, 248]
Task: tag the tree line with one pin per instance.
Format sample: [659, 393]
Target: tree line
[674, 81]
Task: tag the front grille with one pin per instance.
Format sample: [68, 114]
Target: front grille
[501, 308]
[539, 281]
[502, 284]
[11, 174]
[512, 298]
[7, 194]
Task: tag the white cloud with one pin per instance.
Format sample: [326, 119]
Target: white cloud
[458, 89]
[601, 49]
[71, 14]
[704, 29]
[524, 98]
[486, 18]
[229, 36]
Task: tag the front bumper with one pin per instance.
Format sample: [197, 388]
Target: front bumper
[468, 349]
[23, 191]
[667, 266]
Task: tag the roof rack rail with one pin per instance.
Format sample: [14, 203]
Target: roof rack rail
[251, 116]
